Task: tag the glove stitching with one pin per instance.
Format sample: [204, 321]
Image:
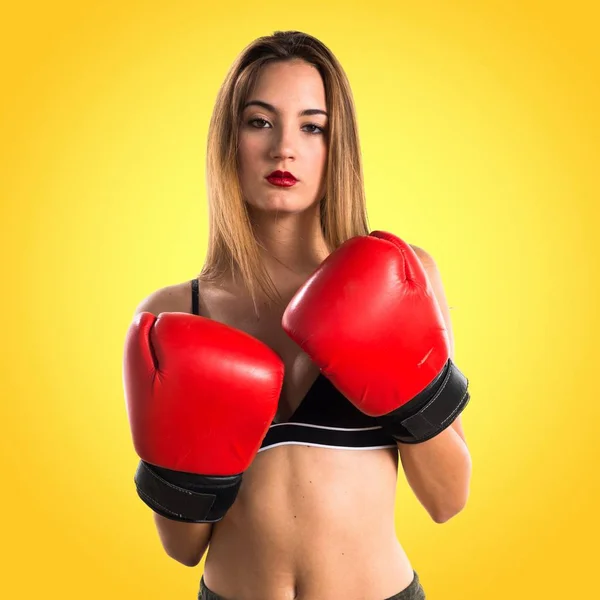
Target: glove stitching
[175, 487]
[152, 501]
[457, 408]
[450, 418]
[156, 503]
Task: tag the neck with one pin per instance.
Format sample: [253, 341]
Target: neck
[292, 244]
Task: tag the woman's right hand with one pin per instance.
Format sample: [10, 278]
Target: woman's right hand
[200, 398]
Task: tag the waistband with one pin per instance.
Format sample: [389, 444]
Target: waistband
[414, 591]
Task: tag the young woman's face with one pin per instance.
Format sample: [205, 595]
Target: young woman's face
[283, 128]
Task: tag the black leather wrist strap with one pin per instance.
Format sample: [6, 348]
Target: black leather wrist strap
[432, 410]
[186, 496]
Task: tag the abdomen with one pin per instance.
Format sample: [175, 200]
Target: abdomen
[311, 522]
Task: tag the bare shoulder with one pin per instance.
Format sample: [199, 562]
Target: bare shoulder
[424, 256]
[433, 273]
[435, 279]
[171, 298]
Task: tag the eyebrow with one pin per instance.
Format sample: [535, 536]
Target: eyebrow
[305, 113]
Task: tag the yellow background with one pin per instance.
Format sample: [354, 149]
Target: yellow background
[480, 130]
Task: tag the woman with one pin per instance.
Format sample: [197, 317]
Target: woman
[312, 517]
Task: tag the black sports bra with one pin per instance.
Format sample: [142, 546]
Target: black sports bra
[325, 417]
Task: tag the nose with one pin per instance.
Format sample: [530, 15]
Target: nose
[284, 144]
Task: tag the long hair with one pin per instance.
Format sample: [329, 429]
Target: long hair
[232, 244]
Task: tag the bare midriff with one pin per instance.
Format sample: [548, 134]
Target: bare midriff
[311, 523]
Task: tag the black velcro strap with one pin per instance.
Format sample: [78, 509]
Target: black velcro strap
[432, 411]
[206, 503]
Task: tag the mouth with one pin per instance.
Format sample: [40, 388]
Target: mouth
[281, 179]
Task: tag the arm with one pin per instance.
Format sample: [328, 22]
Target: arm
[184, 542]
[393, 362]
[439, 470]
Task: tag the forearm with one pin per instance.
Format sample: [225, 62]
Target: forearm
[439, 473]
[184, 542]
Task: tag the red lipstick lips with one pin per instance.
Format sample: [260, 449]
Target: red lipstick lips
[281, 179]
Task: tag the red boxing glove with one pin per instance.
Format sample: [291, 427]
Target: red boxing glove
[200, 399]
[369, 319]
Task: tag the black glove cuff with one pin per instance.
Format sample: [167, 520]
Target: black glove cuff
[431, 411]
[186, 496]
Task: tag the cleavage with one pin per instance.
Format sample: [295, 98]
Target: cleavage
[301, 374]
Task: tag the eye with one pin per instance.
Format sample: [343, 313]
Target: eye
[314, 127]
[260, 123]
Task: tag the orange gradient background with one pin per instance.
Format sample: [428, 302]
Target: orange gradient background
[480, 129]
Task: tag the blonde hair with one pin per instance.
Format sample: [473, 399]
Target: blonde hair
[232, 245]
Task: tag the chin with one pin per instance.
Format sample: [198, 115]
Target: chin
[280, 205]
